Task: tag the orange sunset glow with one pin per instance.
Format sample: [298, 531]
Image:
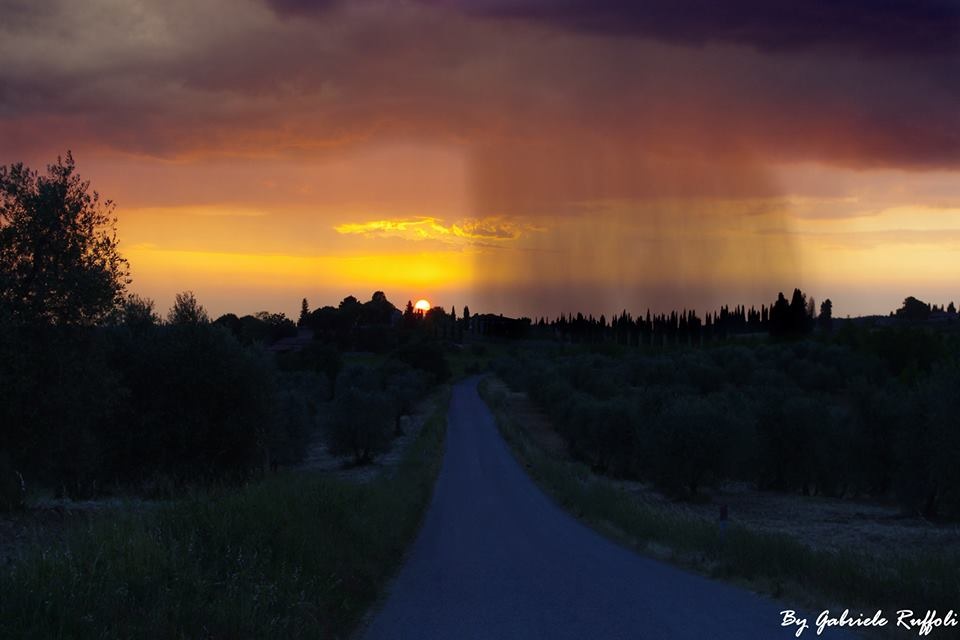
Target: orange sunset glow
[523, 159]
[479, 319]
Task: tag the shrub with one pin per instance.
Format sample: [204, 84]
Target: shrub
[812, 417]
[692, 443]
[405, 387]
[613, 437]
[198, 405]
[425, 356]
[325, 359]
[289, 432]
[127, 404]
[929, 478]
[56, 440]
[362, 424]
[878, 412]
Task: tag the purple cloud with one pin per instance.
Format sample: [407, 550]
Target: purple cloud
[874, 27]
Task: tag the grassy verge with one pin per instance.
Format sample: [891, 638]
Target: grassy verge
[297, 555]
[776, 564]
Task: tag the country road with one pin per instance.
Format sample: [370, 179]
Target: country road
[496, 558]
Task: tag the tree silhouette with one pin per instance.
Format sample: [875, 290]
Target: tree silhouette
[138, 313]
[378, 310]
[362, 423]
[826, 315]
[232, 324]
[59, 261]
[275, 325]
[410, 316]
[348, 312]
[304, 313]
[913, 309]
[780, 316]
[326, 360]
[798, 311]
[187, 311]
[792, 318]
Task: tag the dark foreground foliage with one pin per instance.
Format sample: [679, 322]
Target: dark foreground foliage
[295, 556]
[83, 409]
[369, 405]
[156, 407]
[853, 417]
[59, 258]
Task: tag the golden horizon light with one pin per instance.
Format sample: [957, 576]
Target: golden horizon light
[548, 159]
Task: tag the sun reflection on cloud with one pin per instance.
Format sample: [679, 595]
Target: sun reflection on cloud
[491, 229]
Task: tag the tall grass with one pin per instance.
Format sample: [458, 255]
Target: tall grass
[776, 563]
[298, 555]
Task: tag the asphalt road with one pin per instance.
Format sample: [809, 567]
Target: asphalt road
[496, 558]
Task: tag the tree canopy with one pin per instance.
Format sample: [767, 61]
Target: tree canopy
[59, 258]
[187, 311]
[913, 309]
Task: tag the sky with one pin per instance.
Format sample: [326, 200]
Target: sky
[528, 157]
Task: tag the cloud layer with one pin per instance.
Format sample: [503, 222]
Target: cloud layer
[641, 145]
[888, 28]
[836, 82]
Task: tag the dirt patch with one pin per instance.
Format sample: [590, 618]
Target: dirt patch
[822, 523]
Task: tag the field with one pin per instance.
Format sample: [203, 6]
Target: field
[300, 554]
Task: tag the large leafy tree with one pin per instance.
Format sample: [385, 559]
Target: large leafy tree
[59, 262]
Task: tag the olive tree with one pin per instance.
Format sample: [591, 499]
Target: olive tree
[187, 311]
[362, 424]
[59, 258]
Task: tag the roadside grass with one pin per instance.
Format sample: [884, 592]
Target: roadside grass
[296, 555]
[778, 565]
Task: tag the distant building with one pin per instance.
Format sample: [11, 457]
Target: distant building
[498, 326]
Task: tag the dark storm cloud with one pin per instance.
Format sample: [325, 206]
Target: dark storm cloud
[301, 7]
[882, 27]
[177, 79]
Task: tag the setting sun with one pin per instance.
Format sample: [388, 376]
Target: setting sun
[698, 266]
